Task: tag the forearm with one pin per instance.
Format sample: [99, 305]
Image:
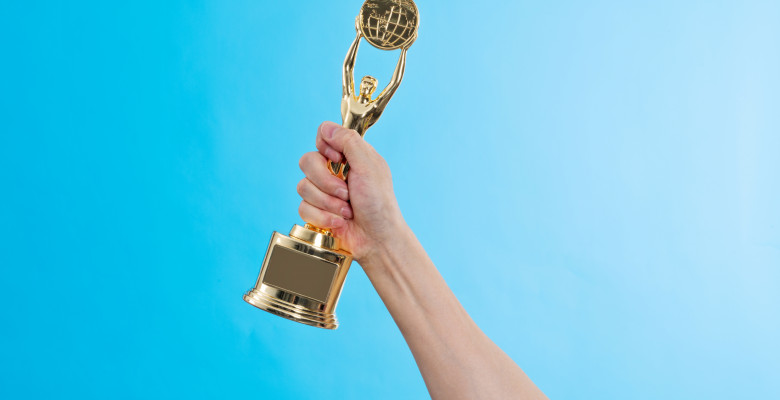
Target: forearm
[455, 357]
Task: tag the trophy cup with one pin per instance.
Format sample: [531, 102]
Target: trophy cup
[302, 274]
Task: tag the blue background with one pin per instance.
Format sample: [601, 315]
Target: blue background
[598, 182]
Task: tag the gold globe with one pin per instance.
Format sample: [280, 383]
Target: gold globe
[389, 24]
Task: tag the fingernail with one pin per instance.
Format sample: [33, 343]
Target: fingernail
[336, 222]
[342, 193]
[346, 212]
[333, 155]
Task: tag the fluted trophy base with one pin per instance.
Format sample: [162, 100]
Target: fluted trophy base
[302, 277]
[288, 309]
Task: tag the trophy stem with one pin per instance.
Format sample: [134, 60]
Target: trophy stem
[339, 170]
[317, 236]
[318, 230]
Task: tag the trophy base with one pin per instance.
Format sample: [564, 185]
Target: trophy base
[281, 305]
[302, 277]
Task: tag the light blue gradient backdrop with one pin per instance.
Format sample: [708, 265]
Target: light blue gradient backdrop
[598, 182]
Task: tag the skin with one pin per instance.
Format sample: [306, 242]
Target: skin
[456, 359]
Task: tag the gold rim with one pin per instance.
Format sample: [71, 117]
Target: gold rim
[291, 311]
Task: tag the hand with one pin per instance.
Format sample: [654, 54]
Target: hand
[372, 217]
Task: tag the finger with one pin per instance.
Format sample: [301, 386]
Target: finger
[320, 218]
[329, 152]
[316, 197]
[314, 165]
[345, 141]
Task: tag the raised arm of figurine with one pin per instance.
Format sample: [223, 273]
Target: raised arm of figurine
[395, 81]
[348, 77]
[456, 359]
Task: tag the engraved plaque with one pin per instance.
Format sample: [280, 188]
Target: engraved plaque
[300, 273]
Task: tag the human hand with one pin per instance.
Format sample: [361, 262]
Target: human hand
[371, 218]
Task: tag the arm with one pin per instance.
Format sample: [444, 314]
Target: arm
[456, 359]
[395, 81]
[348, 79]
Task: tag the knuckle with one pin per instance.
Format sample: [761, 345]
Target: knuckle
[352, 140]
[334, 184]
[335, 204]
[341, 132]
[305, 161]
[350, 135]
[301, 185]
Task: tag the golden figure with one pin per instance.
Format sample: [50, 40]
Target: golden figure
[359, 111]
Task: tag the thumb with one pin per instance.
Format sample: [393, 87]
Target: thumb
[345, 141]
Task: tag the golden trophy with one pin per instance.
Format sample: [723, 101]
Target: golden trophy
[302, 274]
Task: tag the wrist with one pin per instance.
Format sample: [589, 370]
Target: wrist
[396, 239]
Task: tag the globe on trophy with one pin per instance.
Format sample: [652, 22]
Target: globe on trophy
[302, 274]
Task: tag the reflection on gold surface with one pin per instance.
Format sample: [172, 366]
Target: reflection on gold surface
[302, 274]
